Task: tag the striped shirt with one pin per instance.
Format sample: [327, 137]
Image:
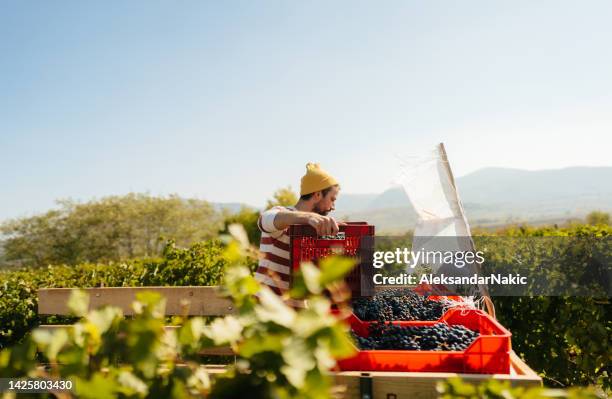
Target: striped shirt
[274, 268]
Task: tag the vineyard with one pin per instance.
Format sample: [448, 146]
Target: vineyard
[305, 200]
[282, 352]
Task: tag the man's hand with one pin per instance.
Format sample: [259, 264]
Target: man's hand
[324, 225]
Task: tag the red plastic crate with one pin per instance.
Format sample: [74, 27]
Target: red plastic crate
[488, 354]
[355, 239]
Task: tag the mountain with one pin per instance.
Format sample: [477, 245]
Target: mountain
[354, 202]
[500, 185]
[496, 196]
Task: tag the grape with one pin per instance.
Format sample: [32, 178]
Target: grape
[397, 304]
[438, 337]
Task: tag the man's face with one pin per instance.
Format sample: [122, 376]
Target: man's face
[327, 202]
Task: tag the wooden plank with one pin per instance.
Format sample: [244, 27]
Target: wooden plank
[523, 369]
[190, 301]
[399, 385]
[220, 351]
[403, 385]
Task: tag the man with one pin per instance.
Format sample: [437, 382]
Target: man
[318, 192]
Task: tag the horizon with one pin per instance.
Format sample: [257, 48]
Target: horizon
[227, 103]
[261, 206]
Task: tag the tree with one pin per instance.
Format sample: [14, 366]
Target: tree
[112, 228]
[247, 217]
[598, 217]
[283, 197]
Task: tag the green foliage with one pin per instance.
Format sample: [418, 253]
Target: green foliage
[109, 356]
[597, 218]
[201, 264]
[283, 197]
[247, 217]
[282, 352]
[565, 338]
[110, 229]
[17, 305]
[455, 388]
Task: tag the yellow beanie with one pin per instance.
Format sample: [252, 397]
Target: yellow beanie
[315, 179]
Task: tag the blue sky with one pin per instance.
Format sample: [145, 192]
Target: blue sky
[227, 101]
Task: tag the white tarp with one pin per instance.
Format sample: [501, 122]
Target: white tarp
[442, 225]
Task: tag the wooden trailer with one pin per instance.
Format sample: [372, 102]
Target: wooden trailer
[205, 301]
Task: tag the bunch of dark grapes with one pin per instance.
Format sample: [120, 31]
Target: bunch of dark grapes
[363, 343]
[397, 304]
[440, 337]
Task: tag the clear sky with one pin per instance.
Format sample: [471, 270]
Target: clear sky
[227, 101]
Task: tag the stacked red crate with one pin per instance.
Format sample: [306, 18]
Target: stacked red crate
[355, 239]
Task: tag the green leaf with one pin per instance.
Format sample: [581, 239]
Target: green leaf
[240, 283]
[262, 343]
[335, 268]
[298, 359]
[78, 303]
[272, 308]
[316, 317]
[130, 384]
[199, 380]
[238, 232]
[150, 303]
[51, 342]
[312, 277]
[339, 342]
[98, 387]
[104, 318]
[191, 331]
[325, 360]
[223, 331]
[298, 287]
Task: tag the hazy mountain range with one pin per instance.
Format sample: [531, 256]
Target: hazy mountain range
[496, 196]
[492, 197]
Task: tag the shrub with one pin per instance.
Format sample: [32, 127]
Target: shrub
[201, 264]
[564, 338]
[455, 388]
[282, 352]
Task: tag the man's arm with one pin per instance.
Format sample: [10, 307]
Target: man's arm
[281, 219]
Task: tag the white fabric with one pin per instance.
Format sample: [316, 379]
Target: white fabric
[429, 185]
[267, 220]
[270, 248]
[267, 263]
